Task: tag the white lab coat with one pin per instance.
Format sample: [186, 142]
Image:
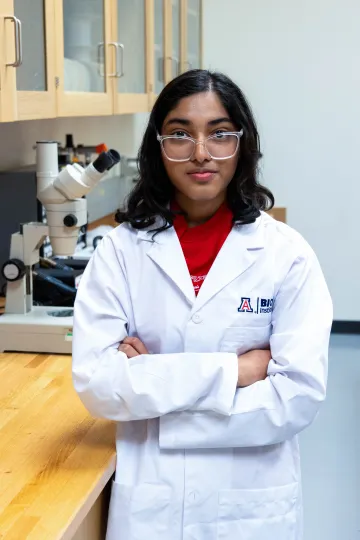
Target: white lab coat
[197, 458]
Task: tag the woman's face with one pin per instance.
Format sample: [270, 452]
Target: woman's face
[202, 178]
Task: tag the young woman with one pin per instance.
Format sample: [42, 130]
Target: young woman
[202, 327]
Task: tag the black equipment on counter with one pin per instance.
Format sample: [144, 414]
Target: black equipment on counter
[48, 281]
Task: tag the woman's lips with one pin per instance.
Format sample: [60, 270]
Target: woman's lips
[202, 176]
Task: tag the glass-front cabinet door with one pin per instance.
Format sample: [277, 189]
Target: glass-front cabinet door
[159, 51]
[193, 35]
[31, 73]
[175, 38]
[27, 48]
[173, 16]
[85, 57]
[8, 62]
[131, 31]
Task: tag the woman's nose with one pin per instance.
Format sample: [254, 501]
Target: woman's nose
[201, 153]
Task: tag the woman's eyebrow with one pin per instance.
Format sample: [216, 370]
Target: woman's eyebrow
[219, 121]
[185, 122]
[181, 121]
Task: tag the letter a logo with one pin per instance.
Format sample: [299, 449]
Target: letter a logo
[245, 306]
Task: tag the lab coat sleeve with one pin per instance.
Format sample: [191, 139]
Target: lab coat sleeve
[112, 386]
[287, 401]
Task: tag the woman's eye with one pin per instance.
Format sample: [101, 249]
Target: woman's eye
[220, 134]
[180, 134]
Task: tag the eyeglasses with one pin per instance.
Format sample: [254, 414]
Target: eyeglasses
[222, 145]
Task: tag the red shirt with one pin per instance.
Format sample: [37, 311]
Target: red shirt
[201, 244]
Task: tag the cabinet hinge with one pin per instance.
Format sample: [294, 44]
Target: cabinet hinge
[57, 82]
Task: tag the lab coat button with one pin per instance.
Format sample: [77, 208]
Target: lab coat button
[193, 495]
[196, 318]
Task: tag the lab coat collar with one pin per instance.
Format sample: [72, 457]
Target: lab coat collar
[238, 253]
[165, 251]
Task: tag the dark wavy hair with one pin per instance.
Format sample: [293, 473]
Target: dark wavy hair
[150, 198]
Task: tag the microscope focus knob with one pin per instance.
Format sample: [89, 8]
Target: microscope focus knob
[13, 269]
[70, 220]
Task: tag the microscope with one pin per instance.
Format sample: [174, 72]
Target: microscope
[48, 329]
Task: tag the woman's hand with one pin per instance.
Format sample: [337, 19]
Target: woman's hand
[253, 367]
[132, 346]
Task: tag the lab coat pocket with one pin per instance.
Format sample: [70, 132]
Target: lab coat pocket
[258, 514]
[136, 510]
[241, 339]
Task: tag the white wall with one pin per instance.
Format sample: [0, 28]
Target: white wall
[298, 63]
[330, 451]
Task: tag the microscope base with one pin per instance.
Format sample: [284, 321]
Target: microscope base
[37, 331]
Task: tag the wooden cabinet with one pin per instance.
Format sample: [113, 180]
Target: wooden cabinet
[84, 58]
[7, 60]
[177, 39]
[184, 43]
[192, 35]
[92, 57]
[159, 31]
[132, 30]
[101, 58]
[27, 51]
[173, 38]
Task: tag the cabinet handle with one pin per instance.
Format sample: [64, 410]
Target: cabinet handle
[177, 66]
[114, 44]
[161, 69]
[118, 74]
[122, 49]
[18, 41]
[19, 51]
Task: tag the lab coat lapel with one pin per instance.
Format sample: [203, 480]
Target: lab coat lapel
[238, 254]
[165, 251]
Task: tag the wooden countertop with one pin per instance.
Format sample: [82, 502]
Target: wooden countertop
[55, 459]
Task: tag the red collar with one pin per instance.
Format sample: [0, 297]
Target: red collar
[222, 218]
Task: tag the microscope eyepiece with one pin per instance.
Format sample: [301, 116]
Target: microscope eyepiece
[106, 160]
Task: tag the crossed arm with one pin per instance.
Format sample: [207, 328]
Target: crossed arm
[252, 366]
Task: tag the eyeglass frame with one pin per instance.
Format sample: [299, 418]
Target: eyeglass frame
[161, 138]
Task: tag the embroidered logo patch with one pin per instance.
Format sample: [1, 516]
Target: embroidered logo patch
[263, 305]
[245, 306]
